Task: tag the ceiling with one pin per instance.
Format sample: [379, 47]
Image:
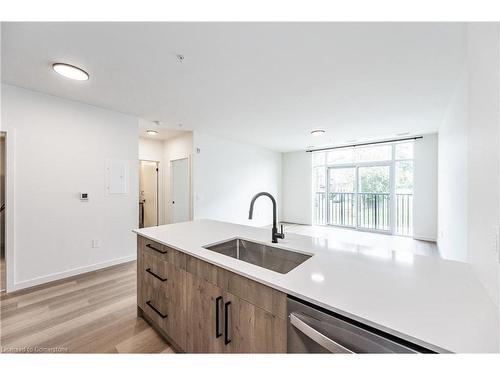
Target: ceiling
[164, 132]
[264, 83]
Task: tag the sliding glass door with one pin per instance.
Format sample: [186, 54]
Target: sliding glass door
[366, 188]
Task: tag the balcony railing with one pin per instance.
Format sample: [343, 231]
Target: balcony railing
[373, 211]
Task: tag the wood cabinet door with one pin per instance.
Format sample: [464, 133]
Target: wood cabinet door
[204, 316]
[251, 329]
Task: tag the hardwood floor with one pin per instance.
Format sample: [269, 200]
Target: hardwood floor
[90, 313]
[2, 272]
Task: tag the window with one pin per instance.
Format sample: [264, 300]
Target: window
[365, 187]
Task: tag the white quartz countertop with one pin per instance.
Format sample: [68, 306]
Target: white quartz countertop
[435, 303]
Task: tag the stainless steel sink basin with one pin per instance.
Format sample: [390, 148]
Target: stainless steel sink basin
[272, 258]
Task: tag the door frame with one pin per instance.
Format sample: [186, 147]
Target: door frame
[10, 202]
[158, 198]
[190, 187]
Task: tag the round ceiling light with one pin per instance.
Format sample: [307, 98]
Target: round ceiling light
[318, 132]
[152, 132]
[70, 71]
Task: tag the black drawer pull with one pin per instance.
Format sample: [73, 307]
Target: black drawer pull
[218, 333]
[148, 270]
[227, 340]
[155, 249]
[163, 316]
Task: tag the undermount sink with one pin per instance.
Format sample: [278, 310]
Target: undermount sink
[270, 257]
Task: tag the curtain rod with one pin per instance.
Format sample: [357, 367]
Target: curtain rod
[367, 143]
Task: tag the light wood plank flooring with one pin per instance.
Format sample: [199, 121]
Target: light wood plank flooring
[90, 313]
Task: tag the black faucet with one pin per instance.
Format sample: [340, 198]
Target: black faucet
[276, 235]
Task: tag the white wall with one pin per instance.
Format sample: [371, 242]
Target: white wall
[453, 178]
[228, 174]
[297, 187]
[175, 148]
[425, 188]
[150, 149]
[60, 149]
[483, 162]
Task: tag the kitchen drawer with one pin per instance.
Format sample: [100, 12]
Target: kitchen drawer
[166, 253]
[161, 295]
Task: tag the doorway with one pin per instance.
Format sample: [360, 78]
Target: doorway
[149, 212]
[180, 190]
[3, 280]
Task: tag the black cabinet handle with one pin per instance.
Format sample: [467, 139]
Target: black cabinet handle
[227, 340]
[218, 333]
[163, 316]
[155, 249]
[148, 270]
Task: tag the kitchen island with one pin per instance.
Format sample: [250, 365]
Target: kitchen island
[434, 303]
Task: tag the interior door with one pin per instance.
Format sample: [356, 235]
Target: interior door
[148, 190]
[179, 170]
[374, 191]
[341, 202]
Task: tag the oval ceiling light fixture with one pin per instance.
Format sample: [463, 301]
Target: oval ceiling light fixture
[152, 132]
[318, 132]
[70, 71]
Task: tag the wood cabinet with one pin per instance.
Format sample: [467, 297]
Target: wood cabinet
[202, 308]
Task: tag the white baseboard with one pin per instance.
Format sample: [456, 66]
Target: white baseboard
[424, 238]
[72, 272]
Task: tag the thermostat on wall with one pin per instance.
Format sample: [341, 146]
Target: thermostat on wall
[84, 196]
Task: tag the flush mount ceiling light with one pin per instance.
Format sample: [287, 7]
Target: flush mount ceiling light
[318, 132]
[70, 71]
[152, 132]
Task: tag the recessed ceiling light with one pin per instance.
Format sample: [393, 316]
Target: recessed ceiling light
[152, 132]
[318, 132]
[351, 140]
[401, 134]
[70, 71]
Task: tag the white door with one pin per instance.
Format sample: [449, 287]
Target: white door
[179, 182]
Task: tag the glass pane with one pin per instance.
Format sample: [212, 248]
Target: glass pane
[342, 199]
[373, 153]
[319, 179]
[341, 156]
[318, 158]
[319, 193]
[374, 179]
[404, 177]
[342, 180]
[404, 150]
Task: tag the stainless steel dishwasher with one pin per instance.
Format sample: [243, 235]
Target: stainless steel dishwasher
[312, 329]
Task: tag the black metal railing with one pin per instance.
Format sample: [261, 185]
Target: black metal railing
[373, 211]
[404, 214]
[320, 208]
[342, 209]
